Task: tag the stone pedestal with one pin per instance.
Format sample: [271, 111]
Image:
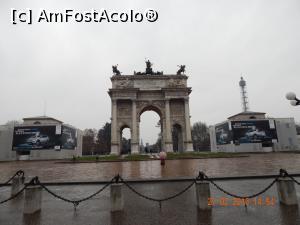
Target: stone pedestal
[189, 147]
[33, 199]
[17, 185]
[203, 194]
[135, 148]
[168, 147]
[286, 191]
[114, 149]
[116, 197]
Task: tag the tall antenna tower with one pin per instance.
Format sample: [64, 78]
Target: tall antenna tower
[245, 103]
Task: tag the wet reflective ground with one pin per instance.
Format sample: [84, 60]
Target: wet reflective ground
[255, 164]
[179, 211]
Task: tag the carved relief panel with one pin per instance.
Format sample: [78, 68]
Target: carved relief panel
[126, 83]
[176, 83]
[124, 109]
[177, 107]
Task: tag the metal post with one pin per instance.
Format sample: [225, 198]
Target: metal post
[33, 199]
[286, 191]
[116, 197]
[203, 194]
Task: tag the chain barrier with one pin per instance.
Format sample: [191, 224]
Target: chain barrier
[117, 179]
[202, 177]
[32, 182]
[293, 179]
[157, 199]
[284, 173]
[76, 202]
[18, 173]
[247, 196]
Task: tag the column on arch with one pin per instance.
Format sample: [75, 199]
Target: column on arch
[188, 142]
[134, 130]
[168, 141]
[114, 136]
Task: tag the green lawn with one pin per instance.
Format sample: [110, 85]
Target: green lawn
[97, 158]
[136, 157]
[184, 155]
[141, 157]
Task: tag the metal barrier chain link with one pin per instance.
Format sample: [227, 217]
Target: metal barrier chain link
[75, 202]
[19, 192]
[284, 173]
[293, 179]
[244, 197]
[156, 199]
[201, 177]
[18, 173]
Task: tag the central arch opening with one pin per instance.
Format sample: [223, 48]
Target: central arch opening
[150, 131]
[125, 140]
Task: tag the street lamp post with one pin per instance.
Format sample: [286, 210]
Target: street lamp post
[293, 99]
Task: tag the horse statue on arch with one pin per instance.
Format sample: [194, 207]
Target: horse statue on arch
[181, 70]
[115, 70]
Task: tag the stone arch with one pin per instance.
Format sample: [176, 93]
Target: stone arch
[167, 95]
[123, 126]
[150, 108]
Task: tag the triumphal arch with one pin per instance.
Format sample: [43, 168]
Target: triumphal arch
[167, 95]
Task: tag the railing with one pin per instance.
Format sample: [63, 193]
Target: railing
[202, 180]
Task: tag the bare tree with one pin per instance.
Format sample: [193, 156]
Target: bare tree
[126, 146]
[13, 123]
[200, 137]
[88, 142]
[103, 139]
[298, 128]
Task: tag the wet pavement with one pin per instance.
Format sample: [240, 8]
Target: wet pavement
[55, 171]
[179, 211]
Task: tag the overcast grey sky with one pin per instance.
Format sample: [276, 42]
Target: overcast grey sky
[69, 65]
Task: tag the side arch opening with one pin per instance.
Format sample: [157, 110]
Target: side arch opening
[177, 138]
[125, 140]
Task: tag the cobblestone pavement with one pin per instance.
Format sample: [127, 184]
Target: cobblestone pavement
[137, 211]
[255, 164]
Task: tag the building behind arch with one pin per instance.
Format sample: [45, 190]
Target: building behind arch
[254, 132]
[39, 138]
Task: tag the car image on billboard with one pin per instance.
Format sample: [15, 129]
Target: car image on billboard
[35, 137]
[256, 131]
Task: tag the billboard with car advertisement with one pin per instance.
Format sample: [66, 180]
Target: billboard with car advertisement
[223, 134]
[254, 131]
[68, 138]
[36, 137]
